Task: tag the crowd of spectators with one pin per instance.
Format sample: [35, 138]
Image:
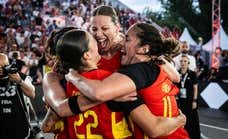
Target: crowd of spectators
[26, 24]
[207, 72]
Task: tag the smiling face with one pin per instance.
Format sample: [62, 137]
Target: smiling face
[104, 31]
[145, 43]
[131, 48]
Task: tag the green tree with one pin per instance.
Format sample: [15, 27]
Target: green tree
[194, 14]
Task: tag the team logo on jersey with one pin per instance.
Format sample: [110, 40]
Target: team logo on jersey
[165, 87]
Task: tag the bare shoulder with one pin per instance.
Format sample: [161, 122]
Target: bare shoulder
[51, 77]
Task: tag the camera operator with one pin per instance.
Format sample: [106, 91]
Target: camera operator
[15, 60]
[13, 113]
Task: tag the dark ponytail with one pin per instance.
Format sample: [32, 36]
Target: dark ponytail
[71, 47]
[171, 46]
[159, 45]
[54, 37]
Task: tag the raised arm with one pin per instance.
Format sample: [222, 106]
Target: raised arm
[26, 86]
[54, 93]
[170, 70]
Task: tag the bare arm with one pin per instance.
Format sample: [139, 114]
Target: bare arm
[170, 70]
[100, 90]
[28, 88]
[26, 85]
[195, 96]
[52, 121]
[167, 125]
[115, 85]
[49, 121]
[195, 91]
[55, 96]
[155, 126]
[54, 93]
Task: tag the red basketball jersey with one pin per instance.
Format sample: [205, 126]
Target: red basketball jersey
[110, 64]
[160, 99]
[61, 132]
[98, 122]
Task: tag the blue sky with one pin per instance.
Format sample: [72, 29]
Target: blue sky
[139, 5]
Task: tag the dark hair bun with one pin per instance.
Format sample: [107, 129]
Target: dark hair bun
[171, 45]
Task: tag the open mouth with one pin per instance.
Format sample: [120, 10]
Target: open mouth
[102, 43]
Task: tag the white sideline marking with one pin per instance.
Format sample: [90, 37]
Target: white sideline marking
[203, 136]
[215, 127]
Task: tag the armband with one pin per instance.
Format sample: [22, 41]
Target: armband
[73, 104]
[54, 112]
[114, 106]
[131, 105]
[125, 107]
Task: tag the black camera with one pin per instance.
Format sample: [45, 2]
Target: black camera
[10, 69]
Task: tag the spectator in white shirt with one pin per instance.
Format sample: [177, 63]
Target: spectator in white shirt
[185, 50]
[76, 19]
[20, 38]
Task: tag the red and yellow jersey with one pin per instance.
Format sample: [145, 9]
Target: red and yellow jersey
[61, 131]
[160, 99]
[110, 64]
[160, 96]
[98, 122]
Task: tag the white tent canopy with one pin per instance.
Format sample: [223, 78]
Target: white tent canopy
[223, 41]
[185, 36]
